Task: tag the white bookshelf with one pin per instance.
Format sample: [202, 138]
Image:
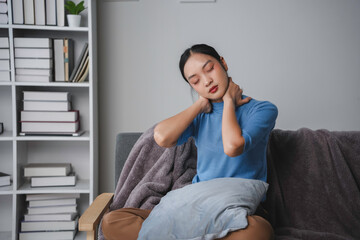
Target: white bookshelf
[17, 151]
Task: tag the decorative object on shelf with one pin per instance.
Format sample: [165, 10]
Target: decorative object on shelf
[74, 10]
[1, 127]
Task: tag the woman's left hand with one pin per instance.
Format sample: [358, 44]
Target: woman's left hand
[234, 93]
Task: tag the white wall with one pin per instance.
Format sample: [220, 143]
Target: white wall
[302, 55]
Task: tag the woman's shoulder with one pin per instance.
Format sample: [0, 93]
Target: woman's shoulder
[255, 104]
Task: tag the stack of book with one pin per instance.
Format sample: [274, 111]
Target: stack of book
[4, 59]
[50, 174]
[39, 12]
[33, 59]
[4, 19]
[50, 216]
[81, 69]
[48, 113]
[4, 179]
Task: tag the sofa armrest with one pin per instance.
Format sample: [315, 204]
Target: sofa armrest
[90, 219]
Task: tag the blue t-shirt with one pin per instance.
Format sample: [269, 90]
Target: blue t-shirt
[256, 119]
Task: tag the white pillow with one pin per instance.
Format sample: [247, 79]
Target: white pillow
[205, 210]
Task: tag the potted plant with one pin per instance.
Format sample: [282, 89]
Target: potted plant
[74, 11]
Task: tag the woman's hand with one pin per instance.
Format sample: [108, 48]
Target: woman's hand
[205, 104]
[234, 94]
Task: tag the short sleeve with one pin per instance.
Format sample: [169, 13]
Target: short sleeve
[261, 121]
[189, 132]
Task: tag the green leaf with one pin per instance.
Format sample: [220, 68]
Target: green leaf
[72, 8]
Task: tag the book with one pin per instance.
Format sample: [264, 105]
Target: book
[4, 18]
[4, 179]
[3, 7]
[48, 116]
[33, 63]
[53, 181]
[46, 96]
[48, 225]
[52, 209]
[60, 12]
[5, 65]
[4, 76]
[40, 18]
[50, 12]
[33, 78]
[50, 127]
[4, 176]
[29, 12]
[85, 73]
[50, 217]
[33, 53]
[47, 169]
[63, 235]
[29, 71]
[79, 60]
[4, 42]
[24, 42]
[4, 53]
[52, 202]
[47, 105]
[68, 57]
[18, 11]
[80, 67]
[50, 196]
[59, 57]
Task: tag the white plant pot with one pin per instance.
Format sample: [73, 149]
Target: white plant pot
[74, 20]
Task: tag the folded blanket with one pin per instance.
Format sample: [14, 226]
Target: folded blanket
[151, 171]
[314, 179]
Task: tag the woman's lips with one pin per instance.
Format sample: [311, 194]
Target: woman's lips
[213, 89]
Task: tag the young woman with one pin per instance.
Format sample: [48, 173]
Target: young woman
[231, 133]
[230, 130]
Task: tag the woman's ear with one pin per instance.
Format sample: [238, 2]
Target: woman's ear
[223, 62]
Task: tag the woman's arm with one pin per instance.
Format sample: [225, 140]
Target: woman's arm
[168, 131]
[233, 141]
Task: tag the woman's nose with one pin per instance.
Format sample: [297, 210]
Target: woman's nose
[208, 81]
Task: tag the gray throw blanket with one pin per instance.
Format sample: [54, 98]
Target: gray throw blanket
[314, 179]
[151, 171]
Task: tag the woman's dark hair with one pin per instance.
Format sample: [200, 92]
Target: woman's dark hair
[198, 48]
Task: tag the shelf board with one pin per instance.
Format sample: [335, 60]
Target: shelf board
[50, 28]
[5, 83]
[53, 84]
[6, 136]
[82, 186]
[84, 137]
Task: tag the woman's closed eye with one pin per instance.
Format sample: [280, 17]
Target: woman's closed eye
[195, 81]
[210, 68]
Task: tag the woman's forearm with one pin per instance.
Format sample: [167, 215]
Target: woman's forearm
[168, 131]
[233, 141]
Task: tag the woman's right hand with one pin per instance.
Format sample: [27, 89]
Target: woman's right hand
[205, 104]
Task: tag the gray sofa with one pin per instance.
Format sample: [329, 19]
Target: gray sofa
[314, 179]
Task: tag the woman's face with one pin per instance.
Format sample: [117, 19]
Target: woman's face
[207, 76]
